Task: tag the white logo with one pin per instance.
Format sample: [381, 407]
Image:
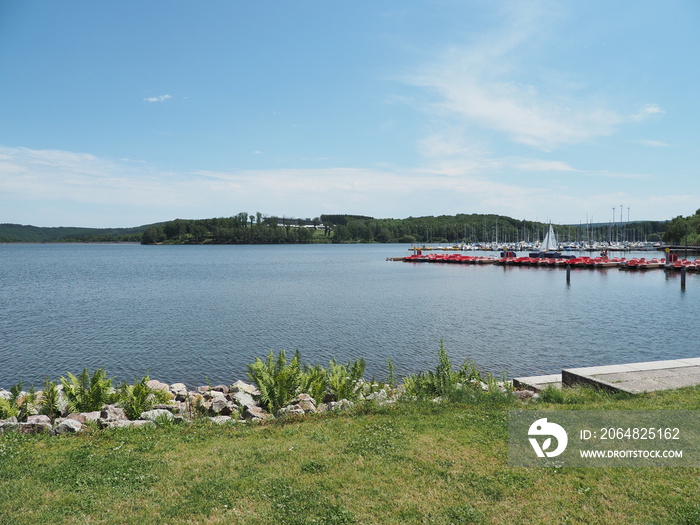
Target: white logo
[542, 428]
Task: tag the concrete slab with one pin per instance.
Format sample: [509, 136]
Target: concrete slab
[637, 378]
[537, 383]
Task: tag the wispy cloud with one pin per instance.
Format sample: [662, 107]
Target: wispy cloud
[159, 98]
[654, 143]
[487, 85]
[647, 111]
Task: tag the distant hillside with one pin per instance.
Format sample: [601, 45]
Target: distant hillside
[22, 233]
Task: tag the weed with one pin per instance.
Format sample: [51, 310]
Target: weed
[343, 379]
[139, 397]
[276, 379]
[85, 393]
[50, 399]
[464, 514]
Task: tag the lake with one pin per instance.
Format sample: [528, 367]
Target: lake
[188, 313]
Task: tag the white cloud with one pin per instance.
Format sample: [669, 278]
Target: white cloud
[543, 165]
[159, 98]
[494, 83]
[654, 143]
[647, 111]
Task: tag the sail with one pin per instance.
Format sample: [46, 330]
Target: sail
[550, 243]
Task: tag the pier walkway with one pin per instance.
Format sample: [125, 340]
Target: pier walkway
[634, 378]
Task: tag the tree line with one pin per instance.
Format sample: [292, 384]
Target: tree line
[683, 230]
[342, 228]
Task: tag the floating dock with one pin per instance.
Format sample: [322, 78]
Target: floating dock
[634, 378]
[621, 263]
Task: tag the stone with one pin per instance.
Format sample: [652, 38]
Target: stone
[112, 412]
[220, 420]
[68, 426]
[91, 416]
[166, 406]
[153, 415]
[256, 413]
[35, 426]
[244, 399]
[523, 394]
[154, 384]
[290, 411]
[179, 390]
[240, 386]
[305, 402]
[378, 397]
[220, 405]
[9, 425]
[80, 418]
[343, 404]
[220, 388]
[39, 419]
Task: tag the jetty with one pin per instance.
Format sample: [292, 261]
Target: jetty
[633, 378]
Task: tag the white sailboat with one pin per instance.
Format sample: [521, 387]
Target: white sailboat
[549, 244]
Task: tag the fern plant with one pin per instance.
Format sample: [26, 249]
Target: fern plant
[276, 379]
[20, 403]
[50, 400]
[314, 381]
[85, 393]
[343, 379]
[139, 397]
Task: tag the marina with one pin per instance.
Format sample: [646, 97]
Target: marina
[621, 263]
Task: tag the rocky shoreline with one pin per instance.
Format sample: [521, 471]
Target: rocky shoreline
[238, 403]
[221, 404]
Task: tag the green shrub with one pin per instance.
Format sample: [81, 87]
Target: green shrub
[85, 393]
[314, 381]
[276, 379]
[20, 403]
[139, 397]
[50, 400]
[343, 379]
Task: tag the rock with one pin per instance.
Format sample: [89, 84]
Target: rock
[143, 422]
[111, 412]
[290, 411]
[153, 415]
[244, 399]
[163, 406]
[91, 416]
[41, 419]
[240, 386]
[523, 394]
[220, 388]
[68, 426]
[343, 404]
[9, 425]
[80, 418]
[4, 394]
[305, 402]
[179, 390]
[154, 384]
[220, 420]
[220, 405]
[256, 414]
[378, 397]
[36, 424]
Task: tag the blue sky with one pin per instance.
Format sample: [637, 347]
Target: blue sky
[123, 113]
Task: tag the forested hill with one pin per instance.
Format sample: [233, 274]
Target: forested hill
[21, 233]
[344, 228]
[258, 229]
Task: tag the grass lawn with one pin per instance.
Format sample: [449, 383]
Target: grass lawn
[416, 462]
